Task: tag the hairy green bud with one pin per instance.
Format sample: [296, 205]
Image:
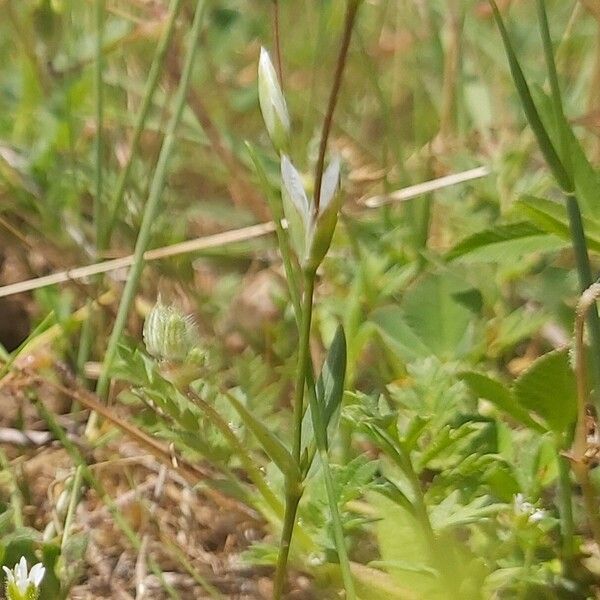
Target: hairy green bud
[169, 335]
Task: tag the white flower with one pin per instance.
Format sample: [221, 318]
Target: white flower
[20, 581]
[524, 508]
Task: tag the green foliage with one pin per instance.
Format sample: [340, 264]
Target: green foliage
[407, 425]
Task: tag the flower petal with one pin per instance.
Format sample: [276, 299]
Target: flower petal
[37, 574]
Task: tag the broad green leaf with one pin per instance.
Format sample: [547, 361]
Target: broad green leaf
[505, 243]
[270, 443]
[398, 335]
[548, 388]
[373, 584]
[440, 321]
[402, 541]
[501, 396]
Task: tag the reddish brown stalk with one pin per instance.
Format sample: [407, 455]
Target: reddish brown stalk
[580, 461]
[351, 12]
[277, 39]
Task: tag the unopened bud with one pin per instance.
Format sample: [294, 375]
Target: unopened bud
[272, 103]
[327, 215]
[169, 334]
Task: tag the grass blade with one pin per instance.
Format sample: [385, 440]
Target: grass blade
[151, 210]
[547, 147]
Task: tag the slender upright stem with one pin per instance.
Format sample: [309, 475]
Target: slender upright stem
[152, 205]
[567, 525]
[98, 142]
[303, 361]
[144, 109]
[294, 488]
[351, 11]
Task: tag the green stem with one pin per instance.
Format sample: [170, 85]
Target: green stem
[71, 509]
[575, 222]
[16, 499]
[151, 210]
[566, 508]
[152, 82]
[303, 362]
[336, 521]
[294, 488]
[98, 142]
[289, 520]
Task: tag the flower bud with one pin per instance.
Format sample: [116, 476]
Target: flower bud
[272, 103]
[169, 334]
[296, 207]
[327, 216]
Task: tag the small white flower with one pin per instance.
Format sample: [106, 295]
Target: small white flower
[524, 508]
[23, 584]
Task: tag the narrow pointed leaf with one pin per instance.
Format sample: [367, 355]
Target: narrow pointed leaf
[270, 443]
[531, 112]
[330, 391]
[552, 217]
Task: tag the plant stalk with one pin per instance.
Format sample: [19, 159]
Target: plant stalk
[294, 488]
[98, 141]
[351, 12]
[151, 210]
[153, 76]
[577, 455]
[277, 38]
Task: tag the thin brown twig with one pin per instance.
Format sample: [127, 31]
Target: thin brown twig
[228, 237]
[351, 12]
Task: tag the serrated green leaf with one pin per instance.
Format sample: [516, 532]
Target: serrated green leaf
[548, 388]
[437, 317]
[397, 334]
[500, 395]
